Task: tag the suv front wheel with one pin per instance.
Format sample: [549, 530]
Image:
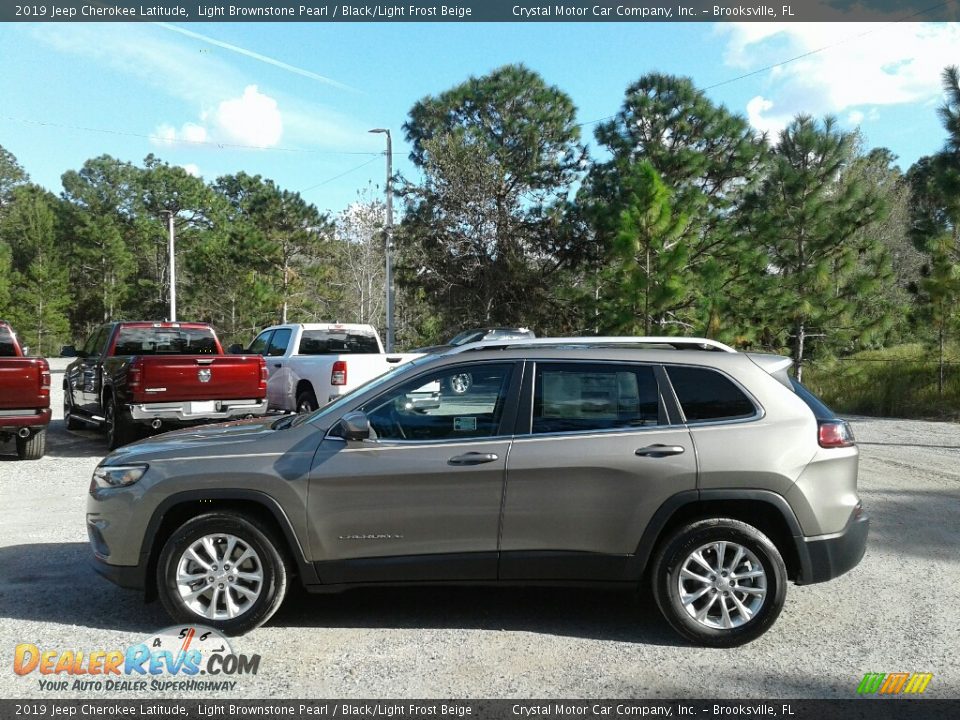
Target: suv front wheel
[719, 582]
[223, 570]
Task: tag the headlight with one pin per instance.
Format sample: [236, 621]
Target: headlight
[111, 476]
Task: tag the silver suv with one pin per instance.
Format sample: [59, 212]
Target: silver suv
[707, 473]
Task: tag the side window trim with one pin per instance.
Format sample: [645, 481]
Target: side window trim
[666, 417]
[758, 411]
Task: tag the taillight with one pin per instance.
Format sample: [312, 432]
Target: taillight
[44, 378]
[134, 376]
[835, 434]
[263, 374]
[338, 376]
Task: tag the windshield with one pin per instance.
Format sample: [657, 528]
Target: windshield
[165, 341]
[389, 376]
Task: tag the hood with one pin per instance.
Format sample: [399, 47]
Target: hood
[234, 438]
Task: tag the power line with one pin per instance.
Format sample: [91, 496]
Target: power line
[347, 172]
[843, 41]
[184, 141]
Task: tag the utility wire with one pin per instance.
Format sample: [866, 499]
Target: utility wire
[851, 38]
[184, 141]
[347, 172]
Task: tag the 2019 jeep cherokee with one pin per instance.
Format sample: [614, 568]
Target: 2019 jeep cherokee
[708, 473]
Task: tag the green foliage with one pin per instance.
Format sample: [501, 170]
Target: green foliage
[707, 158]
[484, 232]
[808, 215]
[900, 381]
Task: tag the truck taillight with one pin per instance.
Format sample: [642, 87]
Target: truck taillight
[338, 376]
[134, 376]
[834, 434]
[44, 378]
[263, 374]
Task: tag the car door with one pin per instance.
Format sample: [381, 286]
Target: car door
[419, 500]
[86, 379]
[278, 390]
[598, 456]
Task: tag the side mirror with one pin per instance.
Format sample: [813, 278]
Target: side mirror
[355, 426]
[26, 350]
[235, 349]
[68, 351]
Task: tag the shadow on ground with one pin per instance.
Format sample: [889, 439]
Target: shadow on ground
[54, 582]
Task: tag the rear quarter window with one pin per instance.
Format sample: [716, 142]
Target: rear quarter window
[708, 396]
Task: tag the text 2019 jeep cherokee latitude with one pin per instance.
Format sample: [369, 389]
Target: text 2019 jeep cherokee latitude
[708, 473]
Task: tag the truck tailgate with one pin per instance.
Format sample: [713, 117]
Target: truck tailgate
[20, 384]
[176, 378]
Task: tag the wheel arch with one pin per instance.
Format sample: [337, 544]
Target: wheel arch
[179, 508]
[765, 510]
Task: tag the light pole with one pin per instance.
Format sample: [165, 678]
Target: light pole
[168, 214]
[388, 232]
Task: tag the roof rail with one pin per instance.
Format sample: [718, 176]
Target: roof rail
[678, 343]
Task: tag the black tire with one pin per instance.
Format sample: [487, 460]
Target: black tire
[69, 420]
[252, 532]
[666, 574]
[33, 447]
[306, 401]
[120, 428]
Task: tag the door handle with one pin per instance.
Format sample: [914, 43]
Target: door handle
[278, 365]
[658, 451]
[472, 458]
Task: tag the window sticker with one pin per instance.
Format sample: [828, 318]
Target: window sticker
[464, 424]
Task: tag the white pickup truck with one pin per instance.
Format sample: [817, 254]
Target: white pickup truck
[312, 364]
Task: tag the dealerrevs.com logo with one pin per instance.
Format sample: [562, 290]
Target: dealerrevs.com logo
[177, 658]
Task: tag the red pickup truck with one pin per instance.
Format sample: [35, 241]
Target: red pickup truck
[24, 397]
[136, 375]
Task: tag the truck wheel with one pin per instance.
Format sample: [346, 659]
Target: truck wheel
[224, 570]
[120, 430]
[68, 419]
[33, 447]
[306, 401]
[719, 582]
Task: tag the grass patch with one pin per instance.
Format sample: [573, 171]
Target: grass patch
[901, 381]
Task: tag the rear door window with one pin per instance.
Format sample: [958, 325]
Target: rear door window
[279, 342]
[707, 396]
[581, 397]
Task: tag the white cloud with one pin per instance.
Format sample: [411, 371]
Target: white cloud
[853, 68]
[192, 169]
[251, 119]
[855, 117]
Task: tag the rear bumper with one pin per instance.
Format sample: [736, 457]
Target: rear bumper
[187, 412]
[828, 556]
[37, 419]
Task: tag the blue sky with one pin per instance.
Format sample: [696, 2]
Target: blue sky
[307, 93]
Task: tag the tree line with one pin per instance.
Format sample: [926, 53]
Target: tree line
[683, 220]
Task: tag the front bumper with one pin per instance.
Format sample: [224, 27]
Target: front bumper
[132, 577]
[13, 420]
[829, 556]
[193, 412]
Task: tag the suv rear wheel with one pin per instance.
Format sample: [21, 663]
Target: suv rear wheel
[719, 582]
[223, 570]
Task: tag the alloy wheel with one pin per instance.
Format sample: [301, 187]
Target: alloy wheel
[219, 577]
[722, 585]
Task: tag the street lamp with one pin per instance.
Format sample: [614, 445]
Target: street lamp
[389, 237]
[169, 214]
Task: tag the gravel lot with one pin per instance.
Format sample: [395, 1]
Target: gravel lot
[898, 611]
